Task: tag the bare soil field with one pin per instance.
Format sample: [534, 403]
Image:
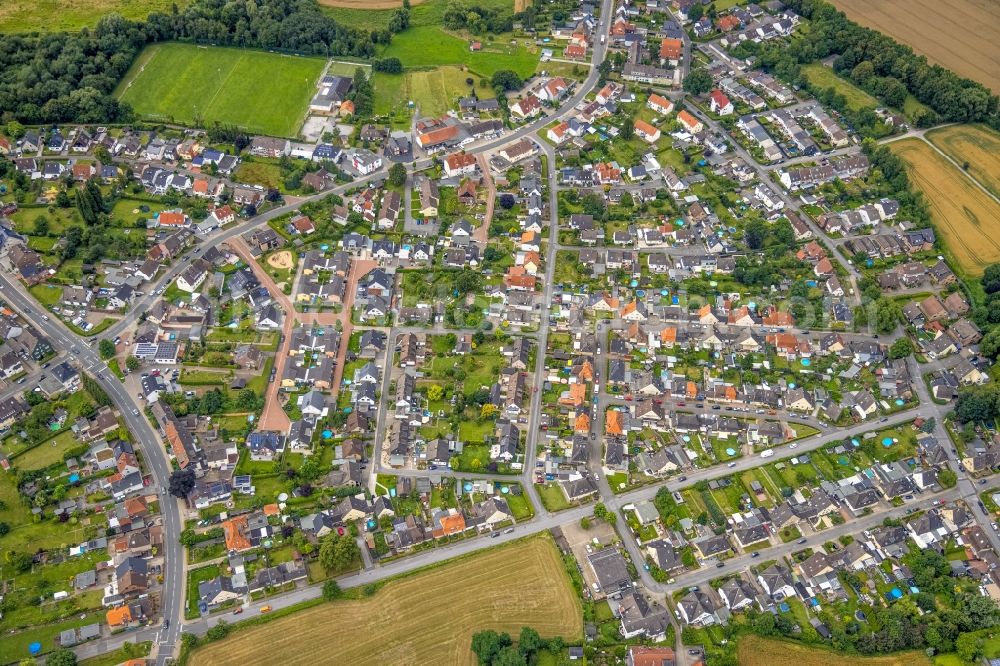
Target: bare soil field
[966, 218]
[280, 260]
[366, 4]
[976, 144]
[942, 32]
[426, 618]
[757, 651]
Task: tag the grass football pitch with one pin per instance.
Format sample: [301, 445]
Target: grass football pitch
[264, 93]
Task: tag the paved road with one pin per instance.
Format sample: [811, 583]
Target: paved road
[148, 442]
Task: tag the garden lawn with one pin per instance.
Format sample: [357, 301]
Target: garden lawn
[552, 496]
[261, 92]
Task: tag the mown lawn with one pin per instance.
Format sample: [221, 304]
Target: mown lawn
[199, 85]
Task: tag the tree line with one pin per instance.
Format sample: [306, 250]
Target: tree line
[63, 77]
[892, 69]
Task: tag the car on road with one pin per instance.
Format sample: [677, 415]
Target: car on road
[800, 541]
[494, 535]
[238, 610]
[45, 317]
[682, 478]
[509, 530]
[755, 553]
[793, 445]
[982, 482]
[719, 565]
[732, 464]
[135, 412]
[265, 609]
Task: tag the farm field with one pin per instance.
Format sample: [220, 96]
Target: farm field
[428, 617]
[976, 144]
[200, 85]
[967, 219]
[938, 32]
[71, 15]
[758, 651]
[824, 77]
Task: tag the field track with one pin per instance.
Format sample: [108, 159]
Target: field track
[941, 31]
[976, 144]
[966, 218]
[425, 618]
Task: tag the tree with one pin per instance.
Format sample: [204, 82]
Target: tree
[901, 348]
[509, 656]
[338, 552]
[41, 226]
[488, 644]
[506, 201]
[61, 657]
[397, 174]
[885, 315]
[435, 392]
[181, 482]
[628, 129]
[106, 348]
[947, 478]
[488, 410]
[505, 80]
[132, 363]
[529, 642]
[698, 81]
[968, 646]
[331, 590]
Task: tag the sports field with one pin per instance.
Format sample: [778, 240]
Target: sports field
[71, 15]
[757, 651]
[265, 93]
[976, 144]
[966, 218]
[367, 4]
[426, 618]
[962, 35]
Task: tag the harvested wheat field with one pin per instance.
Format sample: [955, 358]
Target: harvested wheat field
[941, 31]
[281, 260]
[966, 218]
[757, 651]
[366, 4]
[976, 144]
[426, 618]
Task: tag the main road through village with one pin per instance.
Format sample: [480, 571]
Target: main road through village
[165, 635]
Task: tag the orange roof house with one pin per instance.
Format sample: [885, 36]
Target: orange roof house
[728, 22]
[169, 218]
[517, 278]
[670, 48]
[668, 336]
[691, 390]
[582, 423]
[659, 103]
[613, 422]
[691, 123]
[776, 317]
[453, 523]
[575, 396]
[585, 371]
[437, 136]
[271, 510]
[119, 617]
[824, 267]
[347, 108]
[177, 445]
[236, 533]
[811, 250]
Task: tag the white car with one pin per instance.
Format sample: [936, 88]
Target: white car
[793, 445]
